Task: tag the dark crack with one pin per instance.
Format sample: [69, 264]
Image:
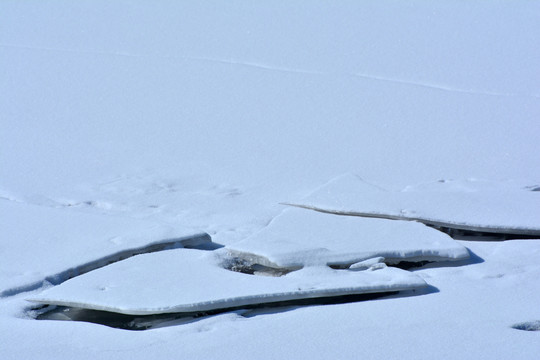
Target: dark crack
[146, 322]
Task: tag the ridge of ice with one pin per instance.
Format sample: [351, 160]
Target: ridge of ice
[73, 243]
[193, 280]
[300, 237]
[369, 264]
[460, 204]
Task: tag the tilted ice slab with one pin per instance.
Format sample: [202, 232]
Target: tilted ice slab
[43, 245]
[469, 205]
[299, 237]
[185, 280]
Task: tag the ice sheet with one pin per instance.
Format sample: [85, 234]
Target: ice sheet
[260, 96]
[298, 237]
[42, 244]
[185, 280]
[471, 204]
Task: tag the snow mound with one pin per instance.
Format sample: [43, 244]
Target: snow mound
[469, 205]
[299, 237]
[185, 280]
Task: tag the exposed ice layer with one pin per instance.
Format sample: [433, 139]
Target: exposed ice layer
[528, 326]
[73, 243]
[185, 280]
[299, 237]
[369, 264]
[470, 205]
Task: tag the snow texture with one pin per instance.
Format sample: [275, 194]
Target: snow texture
[299, 237]
[54, 244]
[185, 280]
[128, 118]
[471, 205]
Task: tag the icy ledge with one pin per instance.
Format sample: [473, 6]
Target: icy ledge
[185, 280]
[466, 205]
[55, 244]
[300, 237]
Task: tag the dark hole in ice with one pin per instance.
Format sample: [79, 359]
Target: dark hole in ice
[246, 267]
[146, 322]
[339, 266]
[528, 326]
[459, 234]
[405, 265]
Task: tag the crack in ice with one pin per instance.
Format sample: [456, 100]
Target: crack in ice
[442, 87]
[194, 241]
[267, 67]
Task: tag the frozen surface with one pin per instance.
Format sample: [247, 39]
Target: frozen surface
[465, 204]
[43, 244]
[475, 307]
[299, 237]
[186, 280]
[206, 115]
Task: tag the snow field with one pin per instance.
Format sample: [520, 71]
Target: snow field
[127, 123]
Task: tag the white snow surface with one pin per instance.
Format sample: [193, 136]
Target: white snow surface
[185, 280]
[163, 118]
[299, 237]
[463, 204]
[45, 244]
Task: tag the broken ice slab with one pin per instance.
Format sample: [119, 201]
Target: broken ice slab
[185, 280]
[44, 245]
[299, 237]
[464, 205]
[369, 264]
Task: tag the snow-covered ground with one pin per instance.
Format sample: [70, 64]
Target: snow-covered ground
[140, 126]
